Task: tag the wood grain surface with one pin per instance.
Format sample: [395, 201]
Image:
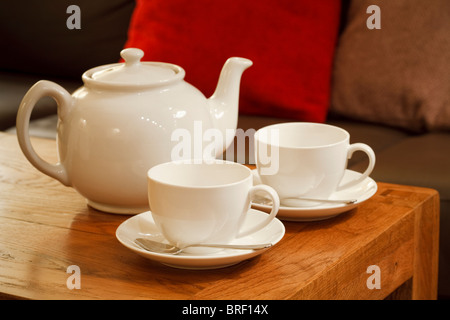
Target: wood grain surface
[46, 227]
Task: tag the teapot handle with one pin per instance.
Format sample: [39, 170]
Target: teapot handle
[64, 100]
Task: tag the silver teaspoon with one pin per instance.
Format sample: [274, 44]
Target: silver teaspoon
[349, 201]
[302, 202]
[159, 247]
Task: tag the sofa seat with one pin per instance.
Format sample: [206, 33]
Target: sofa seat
[14, 86]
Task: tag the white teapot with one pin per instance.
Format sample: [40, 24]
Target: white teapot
[120, 123]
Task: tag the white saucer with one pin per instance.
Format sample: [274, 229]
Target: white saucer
[143, 225]
[361, 192]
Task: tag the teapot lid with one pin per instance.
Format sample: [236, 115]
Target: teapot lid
[134, 72]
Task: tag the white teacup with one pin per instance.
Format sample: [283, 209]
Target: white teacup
[194, 203]
[306, 160]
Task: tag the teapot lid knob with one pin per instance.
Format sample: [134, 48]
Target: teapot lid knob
[134, 73]
[132, 56]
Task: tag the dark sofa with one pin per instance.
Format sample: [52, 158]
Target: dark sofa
[32, 50]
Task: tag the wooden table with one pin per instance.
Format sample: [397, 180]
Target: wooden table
[46, 227]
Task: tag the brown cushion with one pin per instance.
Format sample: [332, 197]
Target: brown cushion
[398, 75]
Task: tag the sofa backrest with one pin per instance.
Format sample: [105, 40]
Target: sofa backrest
[36, 39]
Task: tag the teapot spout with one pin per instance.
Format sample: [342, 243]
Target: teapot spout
[224, 103]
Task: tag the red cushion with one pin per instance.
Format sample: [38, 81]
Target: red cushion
[291, 44]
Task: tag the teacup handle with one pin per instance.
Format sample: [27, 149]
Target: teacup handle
[366, 149]
[275, 206]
